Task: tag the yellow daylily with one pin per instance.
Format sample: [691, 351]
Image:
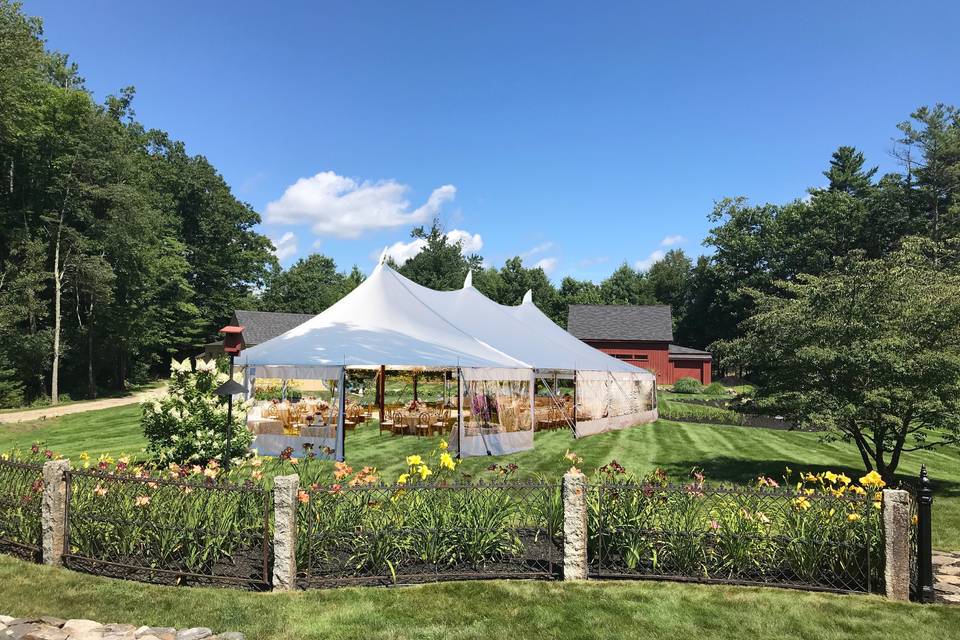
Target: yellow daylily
[872, 479]
[853, 517]
[446, 461]
[443, 445]
[404, 477]
[424, 471]
[831, 477]
[414, 460]
[801, 503]
[844, 479]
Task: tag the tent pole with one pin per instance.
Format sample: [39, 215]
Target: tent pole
[381, 389]
[459, 418]
[342, 403]
[574, 403]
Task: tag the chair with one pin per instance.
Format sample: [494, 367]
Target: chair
[399, 427]
[386, 424]
[424, 424]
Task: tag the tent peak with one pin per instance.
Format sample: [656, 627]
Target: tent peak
[468, 281]
[528, 297]
[383, 256]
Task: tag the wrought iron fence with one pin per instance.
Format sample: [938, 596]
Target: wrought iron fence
[21, 498]
[168, 531]
[773, 537]
[422, 533]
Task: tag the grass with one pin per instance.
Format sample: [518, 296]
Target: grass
[115, 430]
[725, 453]
[494, 609]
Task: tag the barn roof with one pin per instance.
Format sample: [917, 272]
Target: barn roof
[621, 322]
[687, 353]
[260, 326]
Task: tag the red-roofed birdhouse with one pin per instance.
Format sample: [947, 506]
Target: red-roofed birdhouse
[232, 340]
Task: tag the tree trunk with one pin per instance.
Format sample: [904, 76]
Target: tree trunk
[91, 382]
[57, 287]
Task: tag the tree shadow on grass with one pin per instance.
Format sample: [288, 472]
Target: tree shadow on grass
[745, 472]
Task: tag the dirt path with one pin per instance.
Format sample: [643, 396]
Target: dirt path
[80, 407]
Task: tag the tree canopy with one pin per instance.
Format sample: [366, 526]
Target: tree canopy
[869, 351]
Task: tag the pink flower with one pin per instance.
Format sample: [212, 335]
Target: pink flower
[142, 501]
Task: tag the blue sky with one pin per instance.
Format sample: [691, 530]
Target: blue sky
[579, 135]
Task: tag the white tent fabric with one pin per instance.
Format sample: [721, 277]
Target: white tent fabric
[378, 323]
[390, 320]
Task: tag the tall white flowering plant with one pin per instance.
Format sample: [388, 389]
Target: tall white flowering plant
[189, 423]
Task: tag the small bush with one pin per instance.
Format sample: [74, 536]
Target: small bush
[687, 385]
[715, 389]
[189, 423]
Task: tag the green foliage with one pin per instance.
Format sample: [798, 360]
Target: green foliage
[818, 533]
[189, 424]
[168, 521]
[715, 389]
[869, 351]
[687, 385]
[311, 285]
[150, 249]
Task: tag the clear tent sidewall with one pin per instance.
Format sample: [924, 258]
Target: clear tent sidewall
[496, 406]
[275, 444]
[613, 400]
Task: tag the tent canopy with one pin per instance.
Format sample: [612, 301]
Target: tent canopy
[390, 320]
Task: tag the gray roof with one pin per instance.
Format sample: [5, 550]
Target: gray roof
[677, 350]
[620, 322]
[260, 326]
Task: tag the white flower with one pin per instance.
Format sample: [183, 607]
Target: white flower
[206, 366]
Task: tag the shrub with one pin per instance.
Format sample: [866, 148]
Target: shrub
[687, 385]
[715, 389]
[189, 423]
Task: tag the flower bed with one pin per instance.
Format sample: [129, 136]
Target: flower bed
[824, 532]
[426, 527]
[21, 496]
[186, 528]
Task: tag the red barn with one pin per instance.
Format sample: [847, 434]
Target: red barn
[641, 335]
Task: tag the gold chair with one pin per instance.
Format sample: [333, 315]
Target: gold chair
[399, 424]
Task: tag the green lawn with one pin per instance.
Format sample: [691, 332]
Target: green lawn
[725, 453]
[496, 609]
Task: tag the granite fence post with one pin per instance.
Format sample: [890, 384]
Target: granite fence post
[896, 527]
[53, 511]
[574, 526]
[285, 489]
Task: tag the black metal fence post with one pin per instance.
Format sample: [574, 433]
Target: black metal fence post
[924, 540]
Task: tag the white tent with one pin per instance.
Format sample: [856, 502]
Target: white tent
[498, 350]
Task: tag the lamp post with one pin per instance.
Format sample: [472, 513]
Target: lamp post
[232, 344]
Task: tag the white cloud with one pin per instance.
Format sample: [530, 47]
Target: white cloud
[540, 248]
[285, 246]
[669, 241]
[547, 264]
[646, 263]
[469, 242]
[403, 251]
[342, 207]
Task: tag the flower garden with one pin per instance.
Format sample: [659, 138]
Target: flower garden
[201, 524]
